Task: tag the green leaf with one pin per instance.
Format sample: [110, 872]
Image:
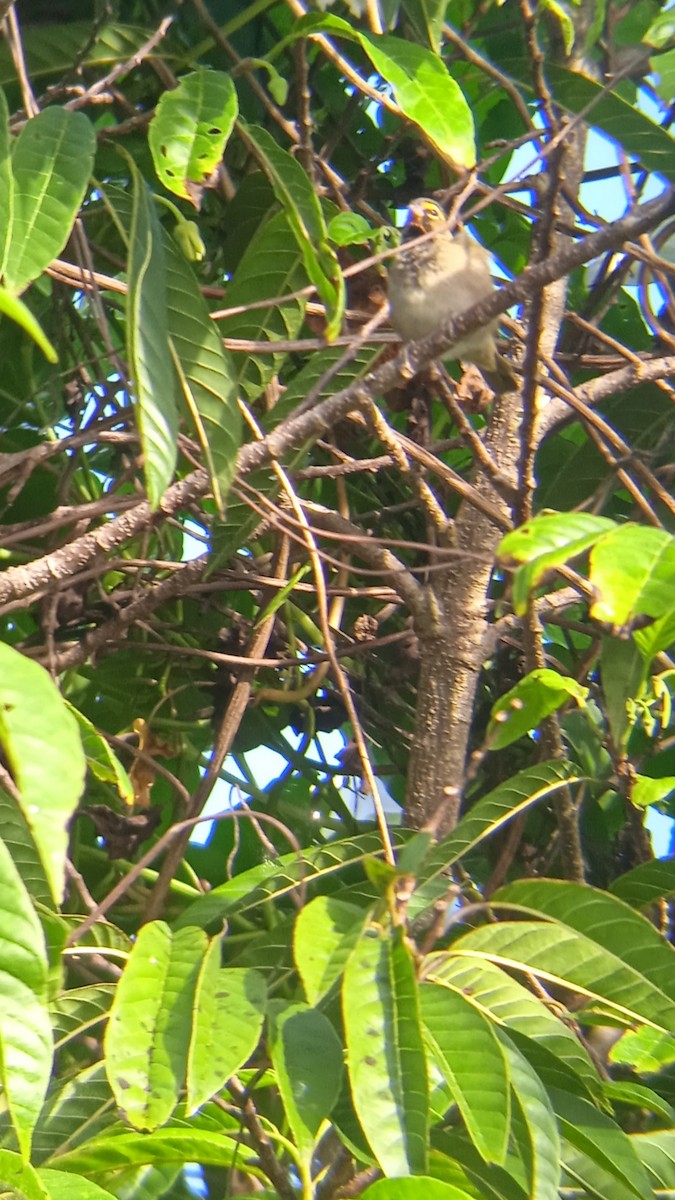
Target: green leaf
[623, 672]
[108, 1153]
[205, 373]
[563, 956]
[656, 637]
[229, 1011]
[19, 1178]
[42, 744]
[349, 229]
[423, 88]
[495, 810]
[148, 1034]
[508, 1003]
[101, 758]
[26, 1049]
[294, 191]
[17, 311]
[632, 571]
[78, 1107]
[52, 48]
[646, 883]
[472, 1061]
[20, 842]
[326, 931]
[307, 1059]
[190, 129]
[385, 1051]
[6, 182]
[646, 791]
[421, 1187]
[602, 918]
[608, 111]
[427, 94]
[153, 376]
[61, 1185]
[279, 877]
[51, 163]
[271, 266]
[526, 705]
[600, 1139]
[549, 540]
[624, 1091]
[541, 1131]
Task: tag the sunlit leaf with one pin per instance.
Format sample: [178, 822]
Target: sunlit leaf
[385, 1053]
[51, 163]
[42, 744]
[540, 693]
[190, 128]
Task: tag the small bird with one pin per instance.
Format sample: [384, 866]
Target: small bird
[442, 276]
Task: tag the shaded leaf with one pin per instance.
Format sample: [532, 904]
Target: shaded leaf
[153, 376]
[307, 1059]
[229, 1012]
[385, 1052]
[471, 1058]
[294, 191]
[26, 1049]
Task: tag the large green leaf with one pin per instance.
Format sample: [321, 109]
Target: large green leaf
[148, 1034]
[51, 164]
[42, 745]
[229, 1011]
[78, 1107]
[278, 877]
[385, 1052]
[294, 191]
[153, 375]
[326, 930]
[472, 1060]
[107, 1153]
[18, 1179]
[632, 572]
[271, 266]
[421, 1187]
[508, 1003]
[52, 48]
[540, 1140]
[61, 1185]
[307, 1059]
[495, 810]
[205, 372]
[26, 1048]
[561, 955]
[549, 540]
[190, 128]
[627, 123]
[646, 883]
[601, 918]
[423, 88]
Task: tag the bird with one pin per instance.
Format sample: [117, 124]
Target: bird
[440, 277]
